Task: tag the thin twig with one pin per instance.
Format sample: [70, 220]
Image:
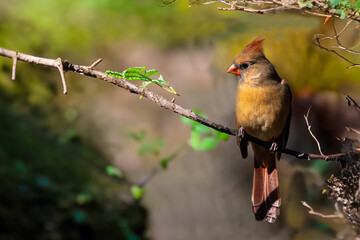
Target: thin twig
[15, 60]
[161, 101]
[311, 211]
[353, 65]
[259, 11]
[352, 102]
[352, 130]
[317, 39]
[159, 166]
[311, 133]
[95, 63]
[60, 67]
[340, 46]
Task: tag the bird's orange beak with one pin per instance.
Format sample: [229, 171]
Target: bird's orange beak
[234, 70]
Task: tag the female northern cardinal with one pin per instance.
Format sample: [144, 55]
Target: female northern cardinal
[263, 110]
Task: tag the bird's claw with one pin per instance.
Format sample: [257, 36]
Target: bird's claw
[274, 147]
[241, 133]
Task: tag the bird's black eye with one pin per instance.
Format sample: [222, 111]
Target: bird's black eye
[244, 66]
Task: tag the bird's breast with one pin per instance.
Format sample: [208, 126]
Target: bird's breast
[262, 110]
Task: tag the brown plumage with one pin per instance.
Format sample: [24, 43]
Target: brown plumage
[263, 109]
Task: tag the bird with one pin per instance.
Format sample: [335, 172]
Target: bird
[263, 110]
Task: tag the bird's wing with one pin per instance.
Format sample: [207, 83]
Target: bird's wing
[242, 143]
[283, 138]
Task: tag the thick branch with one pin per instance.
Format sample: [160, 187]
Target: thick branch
[161, 101]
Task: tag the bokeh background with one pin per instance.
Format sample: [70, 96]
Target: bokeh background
[68, 161]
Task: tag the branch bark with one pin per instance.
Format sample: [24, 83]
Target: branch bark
[64, 65]
[319, 7]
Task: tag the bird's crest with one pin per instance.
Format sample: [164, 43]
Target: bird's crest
[255, 46]
[252, 49]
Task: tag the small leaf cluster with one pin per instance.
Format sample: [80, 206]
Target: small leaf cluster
[137, 192]
[202, 137]
[147, 146]
[307, 4]
[113, 171]
[341, 7]
[140, 73]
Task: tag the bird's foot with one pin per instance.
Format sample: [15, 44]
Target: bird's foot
[241, 133]
[274, 147]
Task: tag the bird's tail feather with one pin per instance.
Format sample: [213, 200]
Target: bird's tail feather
[265, 194]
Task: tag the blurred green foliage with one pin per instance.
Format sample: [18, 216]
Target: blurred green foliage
[53, 188]
[65, 26]
[137, 192]
[147, 146]
[202, 137]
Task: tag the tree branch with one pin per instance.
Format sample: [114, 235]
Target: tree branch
[318, 7]
[318, 43]
[336, 36]
[161, 101]
[311, 211]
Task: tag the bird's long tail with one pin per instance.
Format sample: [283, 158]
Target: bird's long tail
[265, 194]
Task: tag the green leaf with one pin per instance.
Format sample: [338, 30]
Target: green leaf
[201, 128]
[197, 111]
[137, 192]
[341, 12]
[138, 136]
[334, 3]
[221, 135]
[140, 73]
[164, 162]
[357, 5]
[151, 72]
[302, 4]
[309, 5]
[113, 171]
[145, 148]
[151, 147]
[195, 140]
[161, 80]
[144, 84]
[345, 4]
[135, 69]
[192, 122]
[130, 76]
[208, 143]
[187, 120]
[115, 74]
[160, 143]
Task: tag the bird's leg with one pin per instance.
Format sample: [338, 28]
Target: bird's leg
[241, 133]
[274, 147]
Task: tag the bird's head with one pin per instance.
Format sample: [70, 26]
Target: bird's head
[251, 64]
